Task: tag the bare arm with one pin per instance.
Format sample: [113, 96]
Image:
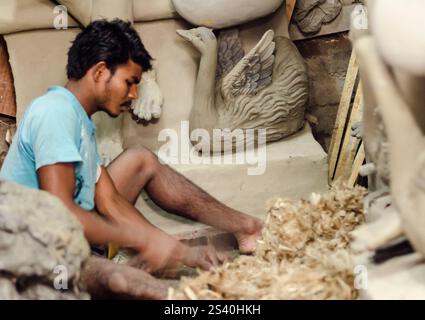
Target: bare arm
[123, 224]
[114, 206]
[59, 180]
[160, 248]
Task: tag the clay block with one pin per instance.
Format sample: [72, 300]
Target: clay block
[38, 237]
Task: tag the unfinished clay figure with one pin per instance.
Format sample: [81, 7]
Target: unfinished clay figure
[310, 15]
[267, 88]
[394, 80]
[148, 106]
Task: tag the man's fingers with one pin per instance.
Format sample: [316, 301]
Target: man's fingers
[222, 257]
[136, 262]
[206, 265]
[147, 268]
[212, 256]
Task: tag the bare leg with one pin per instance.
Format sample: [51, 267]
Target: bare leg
[139, 168]
[106, 280]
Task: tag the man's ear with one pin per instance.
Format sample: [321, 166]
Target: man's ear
[99, 70]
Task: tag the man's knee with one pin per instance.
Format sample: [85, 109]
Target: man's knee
[147, 161]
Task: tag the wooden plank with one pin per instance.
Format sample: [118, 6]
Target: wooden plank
[358, 162]
[350, 144]
[290, 6]
[112, 250]
[7, 90]
[341, 118]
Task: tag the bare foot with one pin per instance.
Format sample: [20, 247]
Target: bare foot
[105, 279]
[247, 239]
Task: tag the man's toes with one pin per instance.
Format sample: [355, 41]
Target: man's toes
[222, 257]
[248, 244]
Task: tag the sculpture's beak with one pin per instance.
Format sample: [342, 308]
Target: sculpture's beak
[185, 34]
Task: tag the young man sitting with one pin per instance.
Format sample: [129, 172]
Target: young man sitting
[55, 150]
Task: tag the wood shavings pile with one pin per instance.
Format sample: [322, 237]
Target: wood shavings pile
[303, 254]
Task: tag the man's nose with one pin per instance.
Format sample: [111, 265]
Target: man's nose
[133, 92]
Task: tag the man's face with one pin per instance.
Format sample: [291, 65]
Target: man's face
[121, 89]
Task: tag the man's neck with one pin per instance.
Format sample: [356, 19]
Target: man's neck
[82, 95]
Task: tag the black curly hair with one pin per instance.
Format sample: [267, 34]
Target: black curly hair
[114, 42]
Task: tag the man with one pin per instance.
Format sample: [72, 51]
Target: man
[55, 150]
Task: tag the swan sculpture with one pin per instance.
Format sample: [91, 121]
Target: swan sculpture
[264, 89]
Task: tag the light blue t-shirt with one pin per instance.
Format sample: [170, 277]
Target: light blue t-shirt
[55, 129]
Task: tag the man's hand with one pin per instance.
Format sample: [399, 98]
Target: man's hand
[124, 225]
[205, 257]
[162, 253]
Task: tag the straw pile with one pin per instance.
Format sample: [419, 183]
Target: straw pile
[303, 254]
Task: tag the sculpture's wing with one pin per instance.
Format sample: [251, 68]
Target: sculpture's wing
[230, 51]
[254, 71]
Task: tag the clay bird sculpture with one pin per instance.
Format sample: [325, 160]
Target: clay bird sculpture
[264, 89]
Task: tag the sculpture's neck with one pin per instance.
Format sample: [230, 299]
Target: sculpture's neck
[204, 113]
